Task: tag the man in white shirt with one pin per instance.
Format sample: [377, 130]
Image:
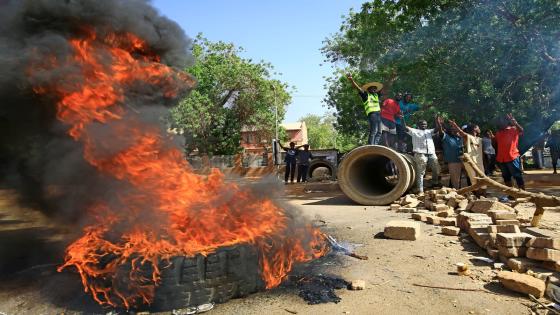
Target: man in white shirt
[424, 153]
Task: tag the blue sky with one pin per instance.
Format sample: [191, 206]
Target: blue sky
[286, 33]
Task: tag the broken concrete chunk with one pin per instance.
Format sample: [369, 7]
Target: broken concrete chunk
[509, 252]
[522, 283]
[462, 205]
[445, 213]
[485, 205]
[521, 264]
[357, 285]
[433, 220]
[466, 220]
[551, 265]
[394, 207]
[448, 221]
[502, 215]
[419, 216]
[493, 253]
[402, 230]
[441, 207]
[542, 232]
[428, 204]
[544, 254]
[410, 201]
[513, 239]
[544, 242]
[503, 229]
[450, 230]
[507, 222]
[406, 210]
[480, 236]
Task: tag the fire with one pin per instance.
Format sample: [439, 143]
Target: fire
[166, 210]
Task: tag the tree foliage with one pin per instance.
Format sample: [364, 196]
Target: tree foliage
[232, 93]
[322, 134]
[473, 60]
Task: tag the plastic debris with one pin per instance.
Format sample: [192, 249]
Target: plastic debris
[485, 259]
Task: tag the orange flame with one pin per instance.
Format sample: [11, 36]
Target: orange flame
[169, 210]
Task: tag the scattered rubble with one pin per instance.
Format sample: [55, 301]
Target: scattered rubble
[500, 229]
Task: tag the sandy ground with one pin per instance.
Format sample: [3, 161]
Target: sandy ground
[392, 273]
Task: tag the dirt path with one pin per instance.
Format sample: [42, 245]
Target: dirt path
[390, 273]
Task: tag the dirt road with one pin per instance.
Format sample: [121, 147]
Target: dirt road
[392, 272]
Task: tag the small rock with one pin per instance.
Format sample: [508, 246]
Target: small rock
[499, 266]
[357, 285]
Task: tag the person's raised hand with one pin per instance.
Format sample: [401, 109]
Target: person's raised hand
[511, 118]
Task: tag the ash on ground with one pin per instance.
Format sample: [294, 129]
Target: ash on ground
[318, 289]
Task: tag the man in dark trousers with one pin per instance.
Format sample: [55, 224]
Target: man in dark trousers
[290, 160]
[553, 143]
[370, 94]
[507, 140]
[303, 157]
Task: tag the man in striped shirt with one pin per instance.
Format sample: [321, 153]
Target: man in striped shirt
[424, 152]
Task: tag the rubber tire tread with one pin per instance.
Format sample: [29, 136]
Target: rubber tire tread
[229, 273]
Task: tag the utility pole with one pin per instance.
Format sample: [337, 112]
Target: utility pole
[275, 114]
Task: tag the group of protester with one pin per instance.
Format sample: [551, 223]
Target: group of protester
[552, 142]
[297, 157]
[388, 126]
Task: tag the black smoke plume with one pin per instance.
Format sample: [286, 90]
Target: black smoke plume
[37, 158]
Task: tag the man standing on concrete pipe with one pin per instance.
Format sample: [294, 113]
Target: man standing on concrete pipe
[424, 152]
[370, 94]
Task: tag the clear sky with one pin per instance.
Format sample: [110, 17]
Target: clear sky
[286, 33]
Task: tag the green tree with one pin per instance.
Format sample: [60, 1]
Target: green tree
[322, 133]
[473, 60]
[232, 93]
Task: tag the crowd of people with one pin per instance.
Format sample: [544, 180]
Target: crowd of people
[388, 126]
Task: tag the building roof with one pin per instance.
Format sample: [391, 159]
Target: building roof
[294, 126]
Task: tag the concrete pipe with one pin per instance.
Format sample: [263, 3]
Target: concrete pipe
[375, 175]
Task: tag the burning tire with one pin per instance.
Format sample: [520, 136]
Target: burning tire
[190, 281]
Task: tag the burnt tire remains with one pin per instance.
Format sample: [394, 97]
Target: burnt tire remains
[190, 281]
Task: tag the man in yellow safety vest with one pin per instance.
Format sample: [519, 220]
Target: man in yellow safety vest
[370, 94]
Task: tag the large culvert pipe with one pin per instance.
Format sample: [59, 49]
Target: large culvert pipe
[375, 175]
